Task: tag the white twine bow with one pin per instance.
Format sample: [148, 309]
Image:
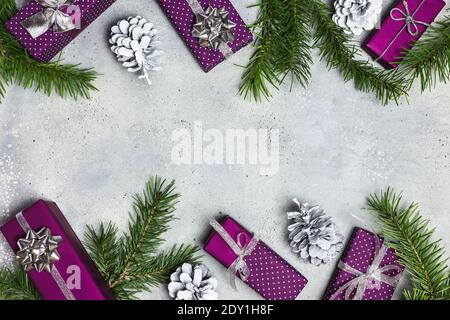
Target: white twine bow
[241, 247]
[50, 16]
[371, 279]
[410, 22]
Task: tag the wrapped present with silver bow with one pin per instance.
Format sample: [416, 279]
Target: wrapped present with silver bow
[45, 27]
[368, 270]
[212, 29]
[47, 248]
[404, 24]
[249, 259]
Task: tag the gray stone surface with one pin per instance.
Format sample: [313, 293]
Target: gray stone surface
[337, 145]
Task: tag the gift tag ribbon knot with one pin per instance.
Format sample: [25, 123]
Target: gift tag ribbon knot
[242, 247]
[371, 279]
[51, 16]
[411, 23]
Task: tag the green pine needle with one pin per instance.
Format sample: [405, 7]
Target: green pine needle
[129, 262]
[429, 58]
[295, 52]
[423, 257]
[260, 72]
[17, 67]
[15, 285]
[102, 245]
[155, 271]
[339, 51]
[287, 30]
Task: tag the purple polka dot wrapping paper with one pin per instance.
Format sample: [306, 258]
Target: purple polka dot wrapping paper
[183, 19]
[359, 254]
[48, 45]
[270, 275]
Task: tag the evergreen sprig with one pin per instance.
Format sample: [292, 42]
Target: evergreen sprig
[429, 59]
[287, 30]
[261, 71]
[423, 257]
[295, 57]
[340, 52]
[17, 67]
[129, 262]
[15, 285]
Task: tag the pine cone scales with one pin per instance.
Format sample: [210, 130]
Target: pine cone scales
[192, 283]
[355, 15]
[313, 235]
[134, 42]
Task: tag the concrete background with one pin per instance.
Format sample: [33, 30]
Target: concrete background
[337, 145]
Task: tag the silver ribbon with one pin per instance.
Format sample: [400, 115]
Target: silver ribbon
[44, 257]
[410, 23]
[212, 28]
[50, 17]
[371, 279]
[240, 248]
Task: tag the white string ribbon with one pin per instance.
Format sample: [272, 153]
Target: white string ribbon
[371, 279]
[241, 247]
[410, 23]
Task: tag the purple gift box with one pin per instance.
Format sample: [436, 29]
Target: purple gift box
[368, 270]
[268, 274]
[74, 276]
[181, 13]
[50, 43]
[405, 23]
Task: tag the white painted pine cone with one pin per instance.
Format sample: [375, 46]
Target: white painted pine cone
[190, 282]
[133, 40]
[354, 16]
[313, 235]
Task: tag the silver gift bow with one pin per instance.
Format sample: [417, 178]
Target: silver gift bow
[371, 279]
[39, 251]
[213, 28]
[50, 16]
[240, 248]
[410, 23]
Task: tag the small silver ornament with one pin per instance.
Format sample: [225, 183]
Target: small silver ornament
[190, 282]
[313, 235]
[213, 28]
[133, 40]
[38, 250]
[354, 16]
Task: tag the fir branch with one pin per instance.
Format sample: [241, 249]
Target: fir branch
[150, 219]
[7, 10]
[15, 285]
[295, 54]
[17, 67]
[260, 72]
[339, 52]
[429, 58]
[157, 270]
[422, 256]
[103, 246]
[130, 263]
